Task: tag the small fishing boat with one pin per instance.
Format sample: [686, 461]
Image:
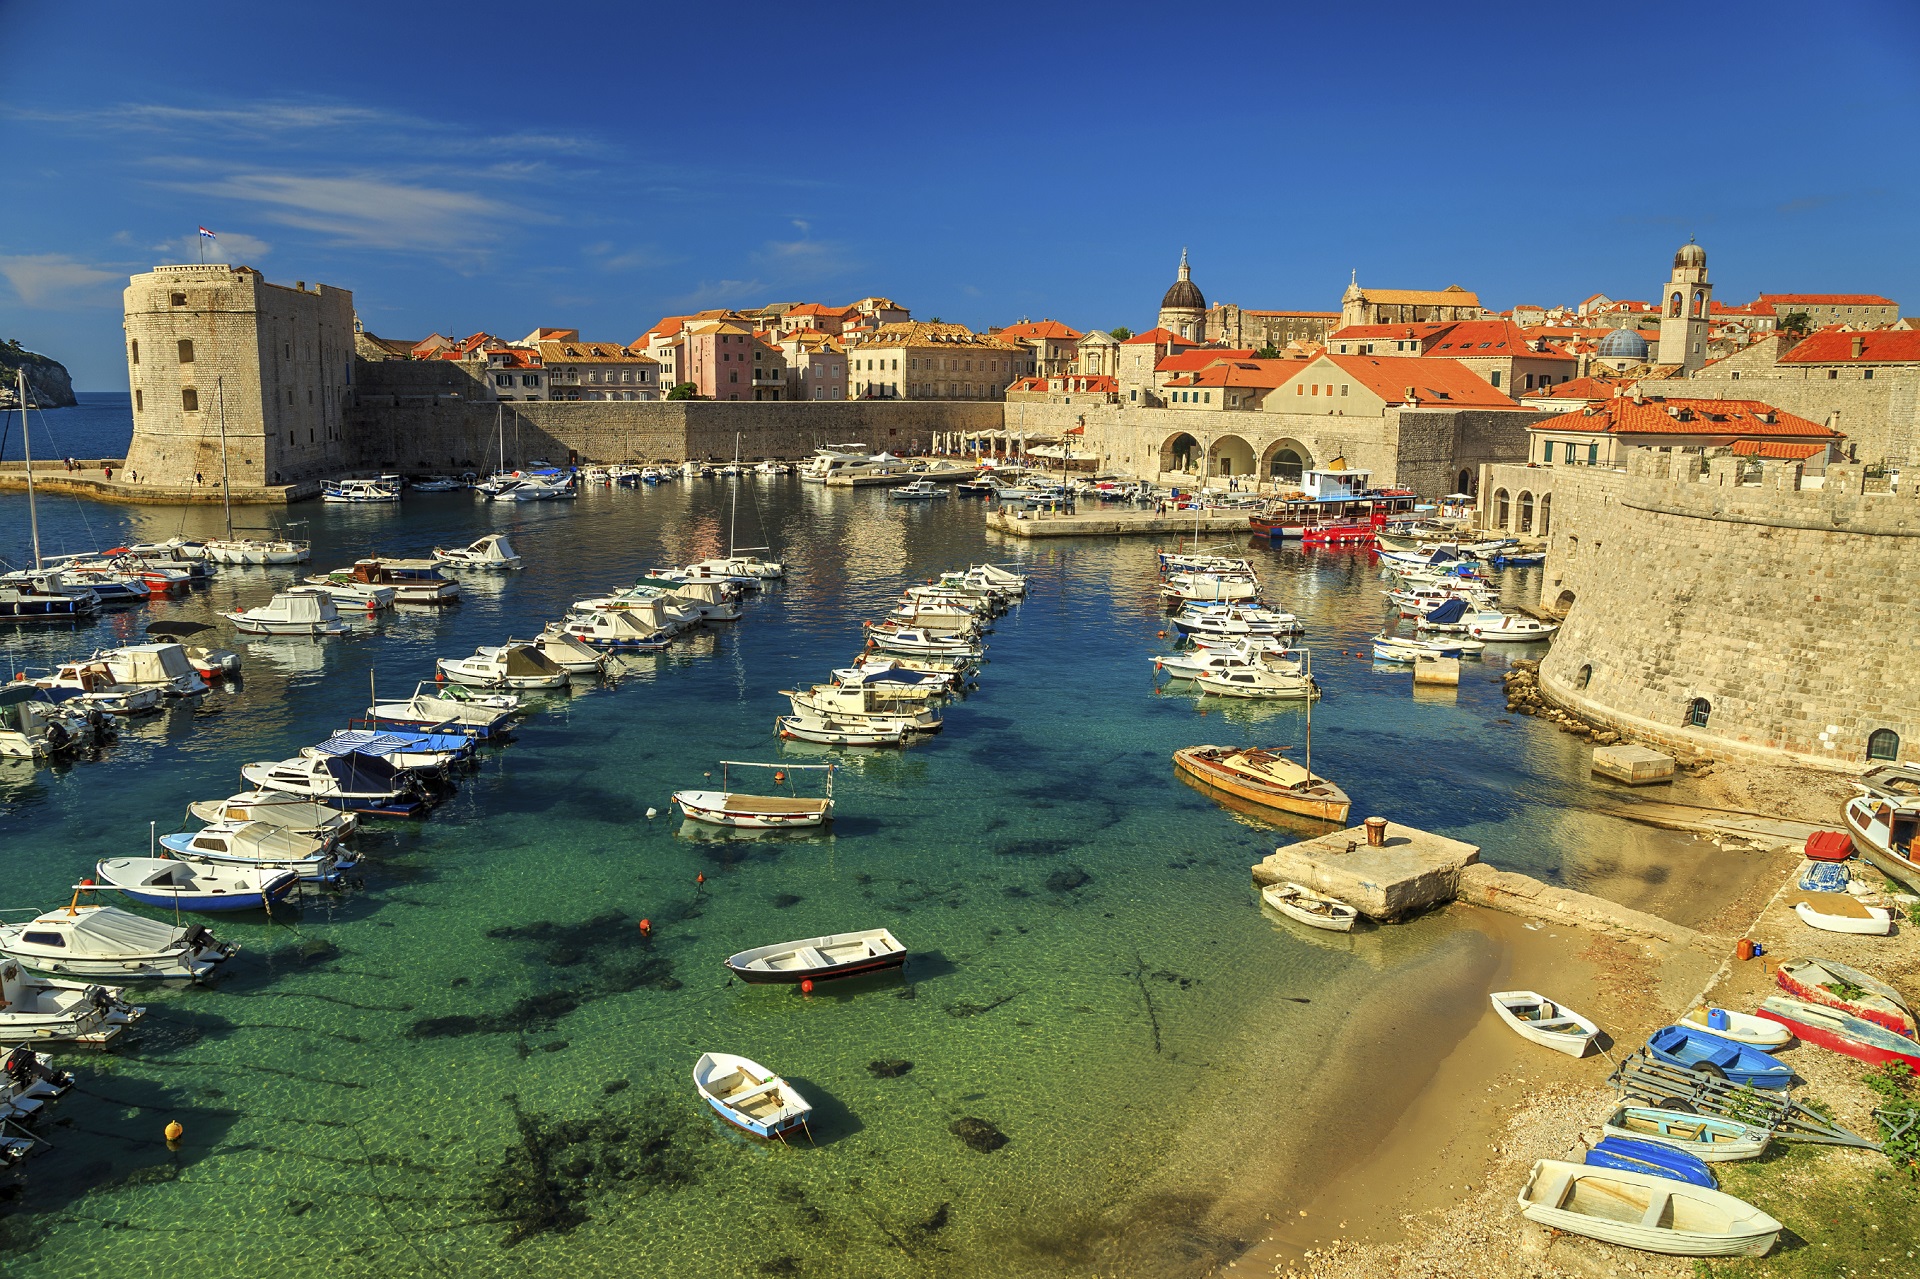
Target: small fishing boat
[1630, 1154]
[359, 783]
[358, 491]
[1234, 620]
[411, 581]
[105, 941]
[297, 612]
[511, 665]
[1705, 1137]
[255, 844]
[572, 655]
[316, 821]
[90, 685]
[492, 553]
[207, 662]
[1741, 1028]
[39, 1009]
[449, 708]
[1826, 981]
[45, 597]
[1640, 1210]
[1841, 1032]
[1704, 1053]
[917, 491]
[28, 1081]
[1889, 781]
[1210, 587]
[1510, 628]
[1535, 1017]
[835, 732]
[913, 639]
[409, 752]
[437, 484]
[1297, 901]
[749, 1096]
[616, 630]
[199, 887]
[872, 704]
[819, 958]
[1263, 777]
[724, 807]
[1257, 682]
[1404, 649]
[1884, 831]
[343, 590]
[166, 666]
[1841, 913]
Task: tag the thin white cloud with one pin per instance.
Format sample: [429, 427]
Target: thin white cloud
[56, 280]
[226, 246]
[716, 293]
[373, 212]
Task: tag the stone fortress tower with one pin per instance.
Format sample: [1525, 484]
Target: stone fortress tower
[281, 358]
[1184, 309]
[1684, 308]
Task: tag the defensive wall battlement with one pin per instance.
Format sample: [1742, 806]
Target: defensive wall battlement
[1705, 612]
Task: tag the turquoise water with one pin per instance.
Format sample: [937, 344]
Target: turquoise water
[474, 1062]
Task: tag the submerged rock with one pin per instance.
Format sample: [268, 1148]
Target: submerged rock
[978, 1134]
[888, 1068]
[1068, 878]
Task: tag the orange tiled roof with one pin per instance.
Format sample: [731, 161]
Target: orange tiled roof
[591, 353]
[1040, 329]
[1825, 299]
[1777, 449]
[1435, 382]
[1877, 346]
[1481, 339]
[1253, 373]
[1389, 332]
[1581, 388]
[1198, 358]
[1158, 337]
[1674, 415]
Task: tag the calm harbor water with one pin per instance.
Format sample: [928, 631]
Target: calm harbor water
[473, 1062]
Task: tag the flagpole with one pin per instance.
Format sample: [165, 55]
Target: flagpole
[200, 239]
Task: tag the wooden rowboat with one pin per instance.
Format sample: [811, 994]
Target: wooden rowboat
[1538, 1018]
[1264, 778]
[1703, 1136]
[749, 1096]
[1641, 1211]
[819, 958]
[1297, 901]
[1741, 1028]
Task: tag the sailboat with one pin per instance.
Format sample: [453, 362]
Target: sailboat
[40, 595]
[1265, 779]
[246, 550]
[734, 563]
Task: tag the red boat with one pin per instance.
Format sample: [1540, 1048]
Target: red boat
[1821, 981]
[1838, 1032]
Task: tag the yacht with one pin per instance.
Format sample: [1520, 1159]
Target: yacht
[105, 941]
[359, 491]
[304, 611]
[164, 666]
[510, 665]
[490, 552]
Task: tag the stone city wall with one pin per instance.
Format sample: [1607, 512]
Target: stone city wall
[1784, 610]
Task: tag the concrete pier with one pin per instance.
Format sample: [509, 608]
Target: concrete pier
[1112, 523]
[1411, 872]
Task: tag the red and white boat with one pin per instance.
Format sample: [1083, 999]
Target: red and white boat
[1883, 830]
[1840, 1032]
[1823, 981]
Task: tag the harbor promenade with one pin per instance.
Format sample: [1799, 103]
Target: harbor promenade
[90, 479]
[1032, 524]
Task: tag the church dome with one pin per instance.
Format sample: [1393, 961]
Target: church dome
[1690, 254]
[1622, 344]
[1183, 296]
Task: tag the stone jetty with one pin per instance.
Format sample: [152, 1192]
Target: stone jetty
[1112, 523]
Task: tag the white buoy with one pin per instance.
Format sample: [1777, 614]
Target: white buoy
[652, 813]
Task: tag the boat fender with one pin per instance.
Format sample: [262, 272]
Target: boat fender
[701, 878]
[175, 1130]
[646, 926]
[806, 986]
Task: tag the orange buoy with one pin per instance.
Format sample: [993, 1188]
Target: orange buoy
[701, 878]
[175, 1131]
[806, 986]
[646, 925]
[439, 677]
[779, 775]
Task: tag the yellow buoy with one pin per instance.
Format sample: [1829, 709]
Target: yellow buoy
[174, 1131]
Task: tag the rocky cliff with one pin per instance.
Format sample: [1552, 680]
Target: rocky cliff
[48, 385]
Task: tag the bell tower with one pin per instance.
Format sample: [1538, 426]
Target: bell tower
[1685, 305]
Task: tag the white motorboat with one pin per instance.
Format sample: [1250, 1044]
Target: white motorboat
[1535, 1017]
[1403, 649]
[1418, 601]
[1640, 1210]
[937, 619]
[1230, 656]
[741, 566]
[28, 1081]
[836, 732]
[90, 683]
[105, 941]
[345, 592]
[42, 1009]
[510, 665]
[1510, 627]
[192, 886]
[449, 708]
[1257, 682]
[725, 807]
[572, 655]
[167, 667]
[361, 783]
[1883, 830]
[749, 1096]
[617, 630]
[918, 491]
[256, 844]
[1210, 587]
[207, 662]
[913, 639]
[275, 808]
[297, 612]
[862, 704]
[492, 552]
[33, 726]
[1316, 910]
[412, 581]
[408, 752]
[661, 609]
[358, 491]
[1234, 620]
[256, 551]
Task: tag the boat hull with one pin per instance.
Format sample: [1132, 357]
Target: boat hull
[712, 808]
[1218, 783]
[1862, 1045]
[763, 977]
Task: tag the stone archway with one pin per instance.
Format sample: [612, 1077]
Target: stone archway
[1229, 456]
[1526, 512]
[1501, 505]
[1544, 525]
[1284, 462]
[1181, 452]
[1564, 603]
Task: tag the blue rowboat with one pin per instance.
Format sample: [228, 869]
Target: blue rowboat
[749, 1096]
[1628, 1155]
[1696, 1050]
[198, 887]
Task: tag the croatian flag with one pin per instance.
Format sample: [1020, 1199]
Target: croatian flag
[210, 235]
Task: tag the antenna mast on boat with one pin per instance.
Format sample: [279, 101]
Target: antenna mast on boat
[500, 428]
[26, 444]
[733, 514]
[226, 485]
[1307, 667]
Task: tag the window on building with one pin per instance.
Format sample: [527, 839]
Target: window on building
[133, 351]
[1593, 454]
[1546, 450]
[186, 350]
[1344, 386]
[1496, 377]
[1867, 375]
[189, 399]
[733, 377]
[1206, 397]
[178, 299]
[1833, 373]
[1883, 744]
[138, 401]
[1581, 677]
[1698, 711]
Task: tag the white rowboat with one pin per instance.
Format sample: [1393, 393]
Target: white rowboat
[1538, 1018]
[1638, 1210]
[1297, 901]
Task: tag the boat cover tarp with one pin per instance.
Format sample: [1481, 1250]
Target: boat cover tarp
[1444, 555]
[176, 630]
[108, 930]
[1448, 611]
[360, 774]
[522, 662]
[381, 744]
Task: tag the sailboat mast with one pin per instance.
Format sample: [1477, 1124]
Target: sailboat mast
[226, 482]
[26, 444]
[500, 428]
[733, 515]
[1307, 666]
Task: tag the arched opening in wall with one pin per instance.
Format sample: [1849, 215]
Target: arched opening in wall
[1546, 513]
[1501, 508]
[1883, 744]
[1674, 304]
[1526, 512]
[1564, 603]
[1231, 455]
[1181, 453]
[1699, 304]
[1287, 462]
[1465, 483]
[1582, 677]
[1697, 712]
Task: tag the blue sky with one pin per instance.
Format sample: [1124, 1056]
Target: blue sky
[501, 167]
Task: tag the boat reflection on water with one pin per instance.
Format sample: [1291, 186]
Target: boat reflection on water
[706, 833]
[289, 655]
[1292, 827]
